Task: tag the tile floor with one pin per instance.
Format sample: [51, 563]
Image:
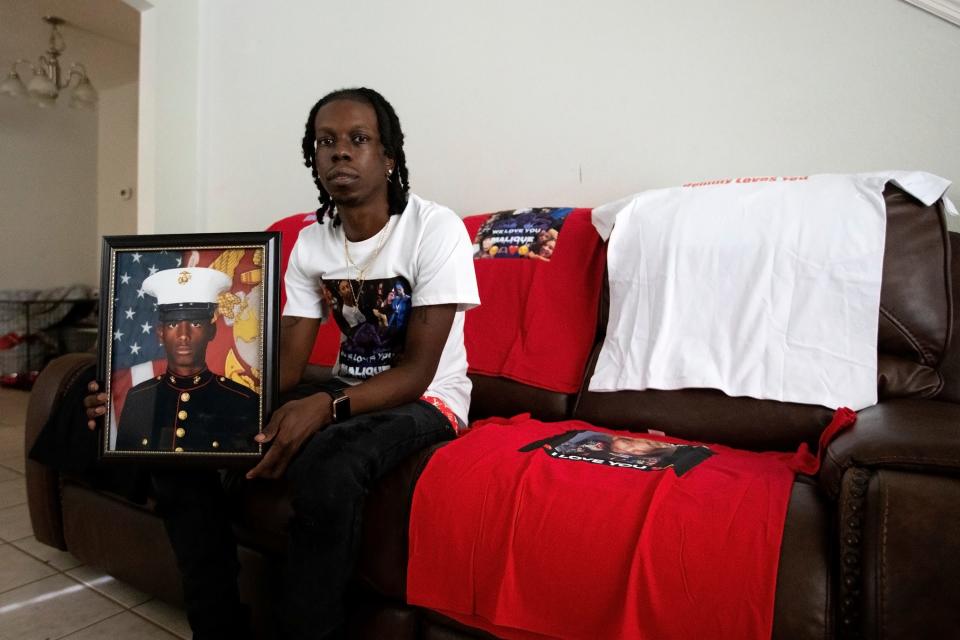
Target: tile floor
[47, 594]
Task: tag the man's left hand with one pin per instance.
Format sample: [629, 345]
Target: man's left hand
[290, 427]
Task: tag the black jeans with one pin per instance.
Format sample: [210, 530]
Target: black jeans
[329, 478]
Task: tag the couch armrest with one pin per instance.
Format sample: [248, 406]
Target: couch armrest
[43, 482]
[906, 434]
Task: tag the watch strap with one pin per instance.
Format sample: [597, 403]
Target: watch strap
[340, 407]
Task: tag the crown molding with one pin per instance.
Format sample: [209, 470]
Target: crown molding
[947, 9]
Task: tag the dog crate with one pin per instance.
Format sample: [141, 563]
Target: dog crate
[37, 326]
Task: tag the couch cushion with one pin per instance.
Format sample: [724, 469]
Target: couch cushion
[802, 605]
[526, 530]
[915, 300]
[950, 365]
[705, 415]
[538, 317]
[494, 396]
[915, 297]
[915, 320]
[137, 552]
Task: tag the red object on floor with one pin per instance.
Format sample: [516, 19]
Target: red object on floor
[19, 380]
[537, 320]
[10, 340]
[327, 345]
[511, 535]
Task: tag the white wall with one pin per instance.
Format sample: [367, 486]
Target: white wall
[48, 196]
[536, 102]
[117, 160]
[55, 168]
[169, 130]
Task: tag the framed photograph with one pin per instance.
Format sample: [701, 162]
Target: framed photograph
[188, 345]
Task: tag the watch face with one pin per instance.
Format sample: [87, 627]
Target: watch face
[341, 408]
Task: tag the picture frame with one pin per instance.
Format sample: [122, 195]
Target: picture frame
[188, 348]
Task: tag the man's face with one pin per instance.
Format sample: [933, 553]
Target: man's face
[185, 342]
[637, 446]
[350, 158]
[345, 293]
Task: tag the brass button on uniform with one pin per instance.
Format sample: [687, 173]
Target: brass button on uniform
[215, 444]
[184, 397]
[144, 442]
[181, 432]
[182, 415]
[178, 450]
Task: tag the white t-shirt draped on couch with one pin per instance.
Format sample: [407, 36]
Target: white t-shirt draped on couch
[765, 289]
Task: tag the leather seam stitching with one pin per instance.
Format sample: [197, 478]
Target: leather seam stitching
[76, 373]
[882, 459]
[924, 354]
[947, 279]
[940, 386]
[883, 557]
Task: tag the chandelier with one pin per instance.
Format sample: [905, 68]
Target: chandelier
[48, 78]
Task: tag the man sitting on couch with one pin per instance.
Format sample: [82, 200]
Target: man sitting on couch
[340, 438]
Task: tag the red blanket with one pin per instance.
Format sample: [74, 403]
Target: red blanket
[529, 529]
[327, 344]
[537, 318]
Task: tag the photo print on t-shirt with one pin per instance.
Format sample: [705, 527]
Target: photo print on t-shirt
[373, 318]
[521, 233]
[627, 452]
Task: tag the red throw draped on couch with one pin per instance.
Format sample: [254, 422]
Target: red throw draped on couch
[529, 529]
[327, 344]
[537, 319]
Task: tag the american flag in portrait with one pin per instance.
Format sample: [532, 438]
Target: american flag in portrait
[137, 354]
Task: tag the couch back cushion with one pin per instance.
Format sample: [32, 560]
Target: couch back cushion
[915, 300]
[950, 363]
[539, 273]
[915, 324]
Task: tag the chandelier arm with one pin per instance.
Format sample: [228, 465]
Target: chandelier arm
[13, 65]
[78, 71]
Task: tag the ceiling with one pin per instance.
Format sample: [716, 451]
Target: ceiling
[112, 19]
[102, 34]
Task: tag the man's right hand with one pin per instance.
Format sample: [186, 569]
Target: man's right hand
[290, 427]
[95, 404]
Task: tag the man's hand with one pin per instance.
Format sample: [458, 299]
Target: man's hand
[290, 427]
[95, 404]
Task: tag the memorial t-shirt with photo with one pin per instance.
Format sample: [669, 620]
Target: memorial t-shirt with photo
[425, 258]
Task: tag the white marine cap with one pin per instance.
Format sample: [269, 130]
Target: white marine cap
[187, 293]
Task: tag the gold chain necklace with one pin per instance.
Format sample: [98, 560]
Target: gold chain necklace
[362, 270]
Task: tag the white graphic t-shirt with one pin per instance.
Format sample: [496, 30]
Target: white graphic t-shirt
[425, 258]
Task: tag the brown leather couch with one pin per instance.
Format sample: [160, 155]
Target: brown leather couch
[871, 546]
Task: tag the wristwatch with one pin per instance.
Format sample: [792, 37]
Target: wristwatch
[341, 405]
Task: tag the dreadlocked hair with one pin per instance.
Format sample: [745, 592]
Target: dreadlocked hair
[391, 136]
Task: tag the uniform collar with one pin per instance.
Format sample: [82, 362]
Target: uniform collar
[188, 382]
